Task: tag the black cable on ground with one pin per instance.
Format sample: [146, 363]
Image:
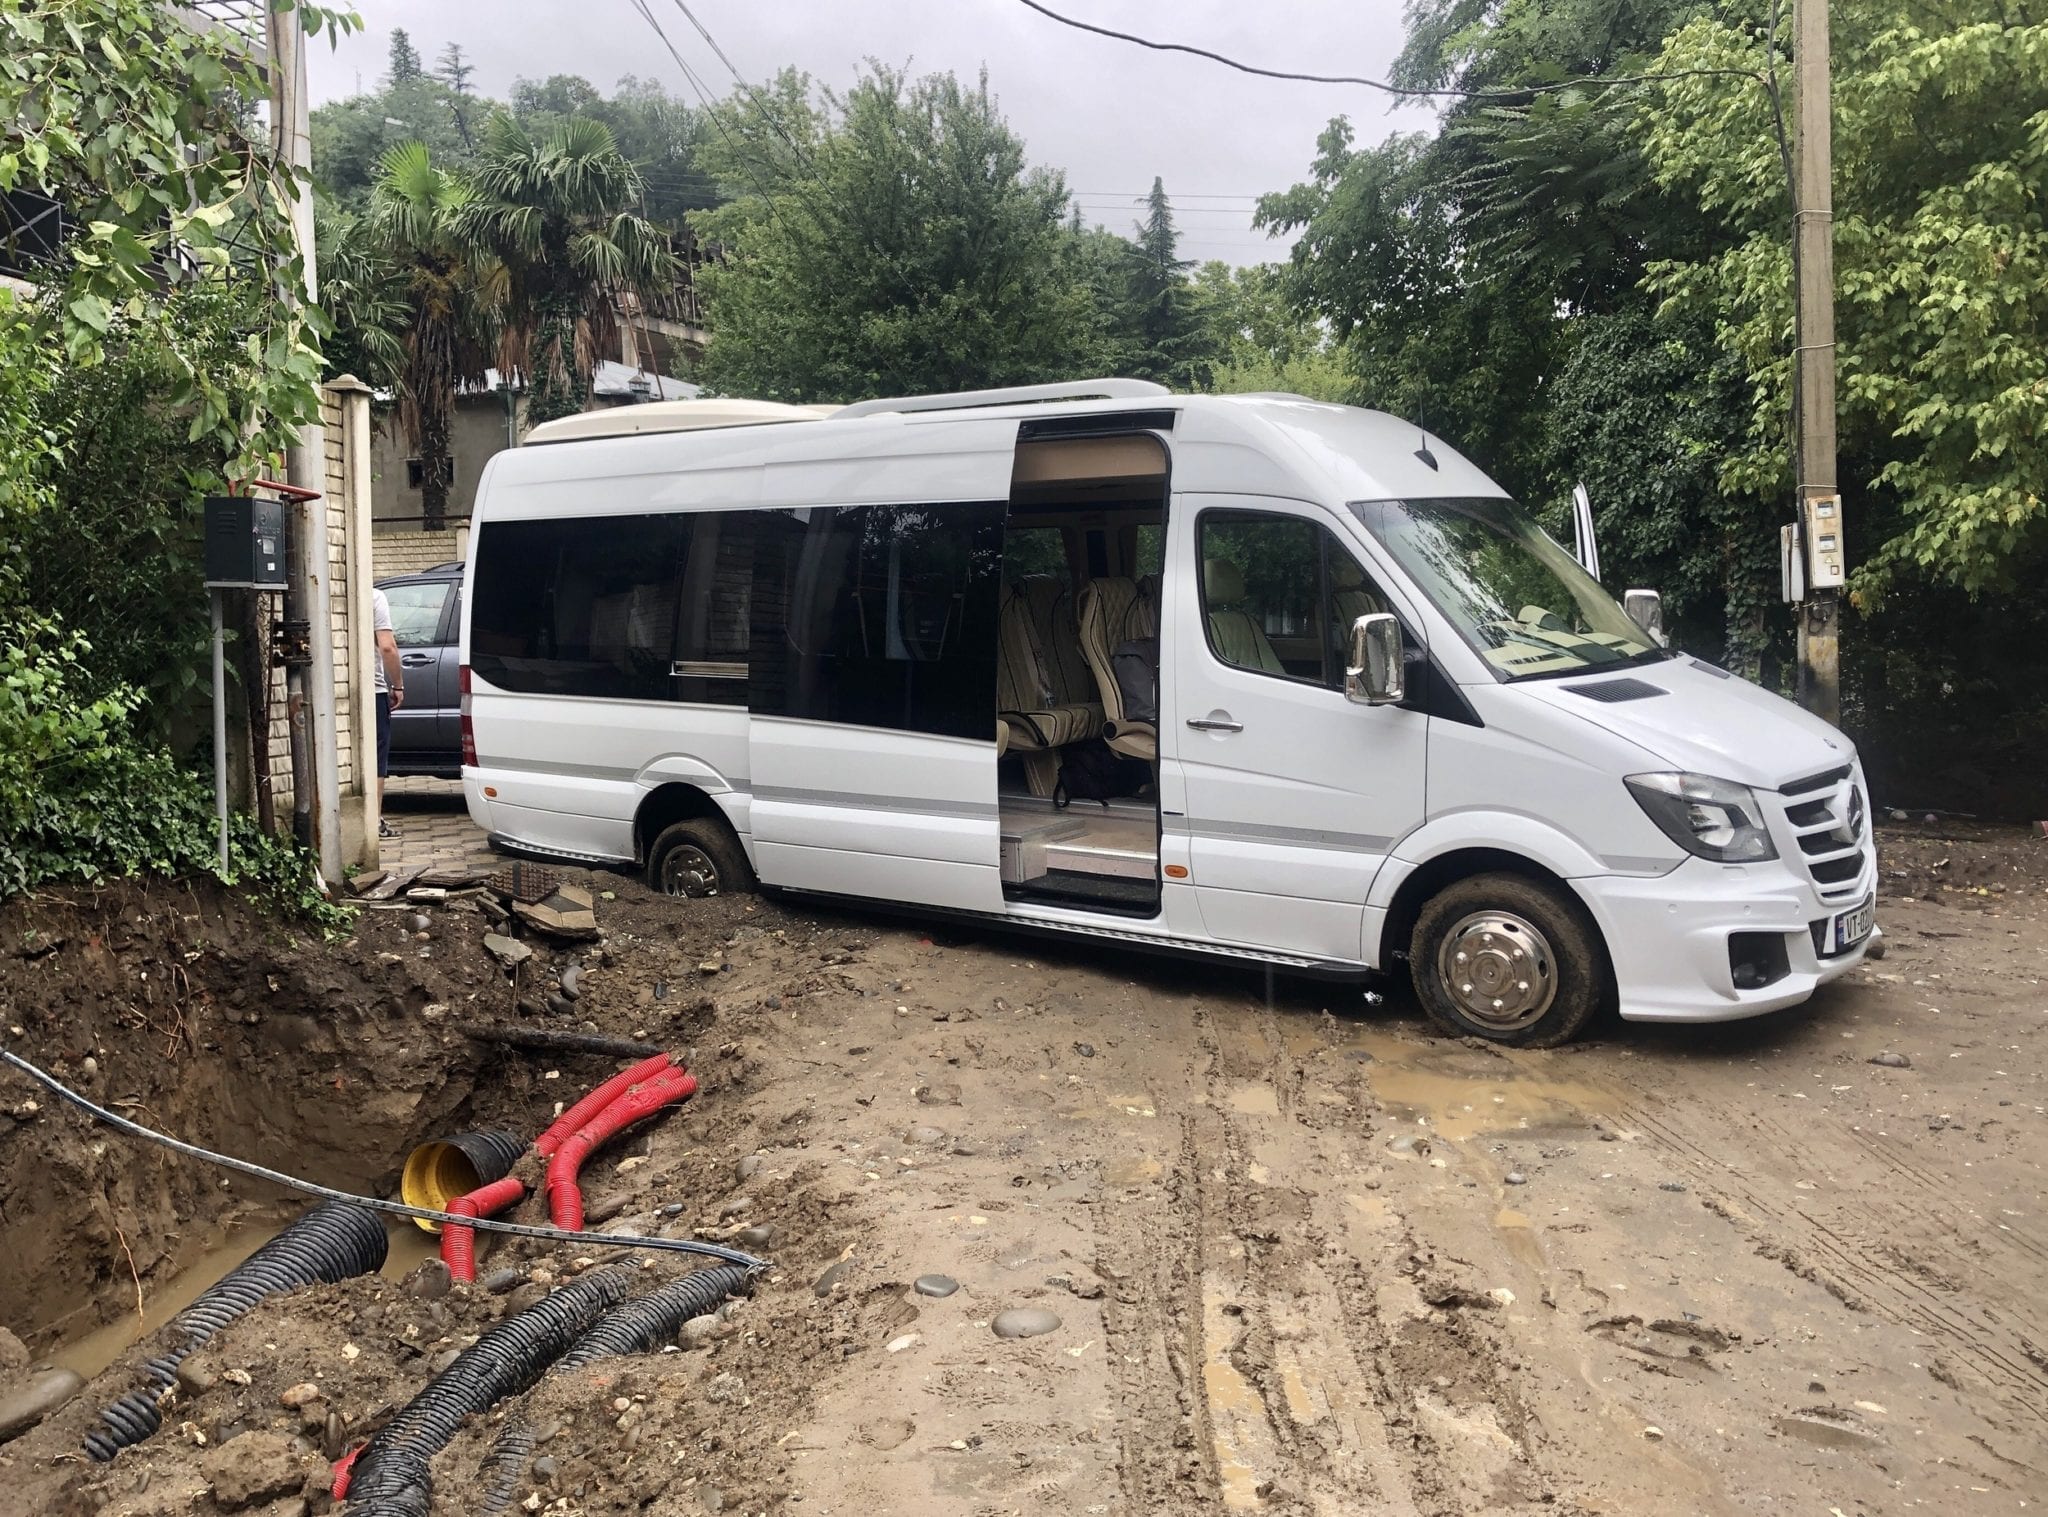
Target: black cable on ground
[394, 1471]
[646, 1322]
[394, 1208]
[332, 1241]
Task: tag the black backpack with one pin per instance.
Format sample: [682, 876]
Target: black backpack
[1093, 771]
[1136, 667]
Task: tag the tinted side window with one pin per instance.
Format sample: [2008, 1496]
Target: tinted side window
[712, 620]
[578, 605]
[416, 611]
[879, 616]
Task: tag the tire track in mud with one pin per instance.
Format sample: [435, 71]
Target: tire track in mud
[1859, 1258]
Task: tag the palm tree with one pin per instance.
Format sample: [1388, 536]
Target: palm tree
[554, 210]
[448, 294]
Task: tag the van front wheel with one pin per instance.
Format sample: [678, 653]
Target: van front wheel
[1509, 959]
[698, 857]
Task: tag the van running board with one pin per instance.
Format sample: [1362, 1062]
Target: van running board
[1302, 963]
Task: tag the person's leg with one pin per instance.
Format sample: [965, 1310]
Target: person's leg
[384, 829]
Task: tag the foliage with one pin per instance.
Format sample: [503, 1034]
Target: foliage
[1643, 411]
[405, 58]
[1169, 328]
[118, 557]
[139, 129]
[30, 447]
[888, 241]
[1940, 155]
[81, 799]
[658, 133]
[553, 209]
[419, 264]
[350, 137]
[1259, 342]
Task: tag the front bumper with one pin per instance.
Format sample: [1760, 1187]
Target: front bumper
[1668, 937]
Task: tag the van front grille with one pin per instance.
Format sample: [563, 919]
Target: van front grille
[1832, 832]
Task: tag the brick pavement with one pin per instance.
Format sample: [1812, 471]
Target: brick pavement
[433, 827]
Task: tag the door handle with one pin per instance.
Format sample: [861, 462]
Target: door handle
[1214, 724]
[415, 660]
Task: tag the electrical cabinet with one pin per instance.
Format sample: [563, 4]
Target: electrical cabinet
[244, 543]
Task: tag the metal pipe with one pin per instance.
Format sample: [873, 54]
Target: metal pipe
[220, 723]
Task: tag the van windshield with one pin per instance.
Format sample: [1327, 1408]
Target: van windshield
[1518, 598]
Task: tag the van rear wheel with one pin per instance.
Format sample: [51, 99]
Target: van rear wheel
[1509, 959]
[698, 857]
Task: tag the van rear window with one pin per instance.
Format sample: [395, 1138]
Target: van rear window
[647, 607]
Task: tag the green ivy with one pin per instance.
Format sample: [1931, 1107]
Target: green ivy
[82, 800]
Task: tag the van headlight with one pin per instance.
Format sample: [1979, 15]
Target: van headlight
[1716, 819]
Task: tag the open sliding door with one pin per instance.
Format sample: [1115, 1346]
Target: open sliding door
[873, 665]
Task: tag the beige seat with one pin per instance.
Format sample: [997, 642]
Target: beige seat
[1057, 625]
[1035, 720]
[1350, 596]
[1113, 612]
[1237, 638]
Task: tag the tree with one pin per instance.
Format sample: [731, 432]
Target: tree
[890, 241]
[1258, 341]
[1169, 329]
[351, 137]
[454, 71]
[1941, 274]
[445, 295]
[405, 58]
[554, 210]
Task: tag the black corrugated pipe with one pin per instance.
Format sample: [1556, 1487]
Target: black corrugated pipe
[646, 1322]
[331, 1242]
[438, 1171]
[393, 1472]
[501, 1468]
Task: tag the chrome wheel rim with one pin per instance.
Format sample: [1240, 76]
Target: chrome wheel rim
[1498, 969]
[688, 870]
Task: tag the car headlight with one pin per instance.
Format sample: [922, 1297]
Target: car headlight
[1716, 819]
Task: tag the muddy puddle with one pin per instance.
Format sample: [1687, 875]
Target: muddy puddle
[90, 1353]
[1456, 1091]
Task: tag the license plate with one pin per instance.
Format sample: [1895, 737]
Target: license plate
[1852, 927]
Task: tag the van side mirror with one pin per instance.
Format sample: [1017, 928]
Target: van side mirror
[1376, 675]
[1646, 609]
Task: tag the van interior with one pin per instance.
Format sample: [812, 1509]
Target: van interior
[1077, 673]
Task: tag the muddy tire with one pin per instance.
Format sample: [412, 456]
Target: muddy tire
[1509, 959]
[698, 857]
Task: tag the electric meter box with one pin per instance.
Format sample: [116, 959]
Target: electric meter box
[244, 543]
[1826, 554]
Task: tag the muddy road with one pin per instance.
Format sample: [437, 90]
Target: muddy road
[1299, 1254]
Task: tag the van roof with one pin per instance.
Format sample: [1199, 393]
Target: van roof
[1264, 444]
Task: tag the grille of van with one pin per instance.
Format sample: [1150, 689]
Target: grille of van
[1831, 831]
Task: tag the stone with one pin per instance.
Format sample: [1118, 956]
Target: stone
[43, 1394]
[823, 1284]
[738, 1206]
[725, 1388]
[1891, 1060]
[1516, 1177]
[1024, 1322]
[568, 913]
[299, 1395]
[699, 1331]
[498, 1281]
[13, 1353]
[572, 983]
[773, 1003]
[935, 1285]
[419, 921]
[197, 1376]
[1085, 1050]
[673, 1209]
[507, 951]
[760, 1235]
[429, 1281]
[748, 1167]
[939, 1093]
[546, 1467]
[925, 1137]
[254, 1467]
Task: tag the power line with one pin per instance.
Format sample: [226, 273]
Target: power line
[1400, 91]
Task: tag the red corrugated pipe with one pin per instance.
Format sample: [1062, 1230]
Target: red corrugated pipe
[565, 1194]
[342, 1468]
[458, 1244]
[572, 1121]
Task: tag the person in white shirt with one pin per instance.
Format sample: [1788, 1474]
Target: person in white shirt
[390, 696]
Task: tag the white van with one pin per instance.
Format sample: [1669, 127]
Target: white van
[906, 652]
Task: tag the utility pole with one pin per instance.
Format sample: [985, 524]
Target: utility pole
[1820, 507]
[309, 631]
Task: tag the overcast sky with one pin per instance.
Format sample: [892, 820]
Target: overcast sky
[1110, 114]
